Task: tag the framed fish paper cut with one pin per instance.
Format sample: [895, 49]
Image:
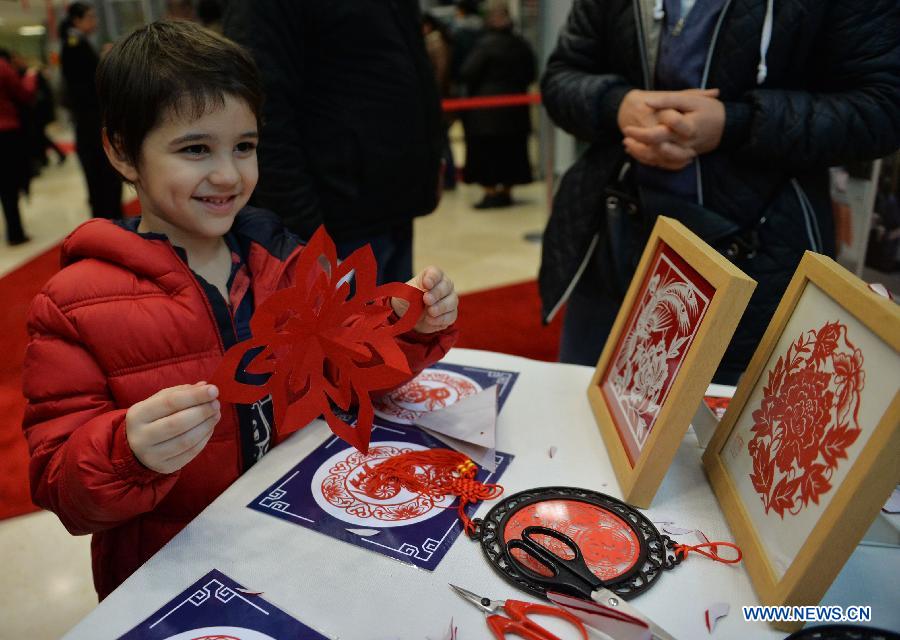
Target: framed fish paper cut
[680, 311]
[806, 453]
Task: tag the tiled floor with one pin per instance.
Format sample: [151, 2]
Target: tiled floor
[47, 576]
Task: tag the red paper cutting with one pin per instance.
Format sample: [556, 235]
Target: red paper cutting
[319, 346]
[667, 314]
[807, 420]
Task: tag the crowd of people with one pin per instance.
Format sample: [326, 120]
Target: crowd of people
[726, 118]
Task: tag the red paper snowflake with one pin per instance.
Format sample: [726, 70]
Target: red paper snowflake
[321, 347]
[808, 418]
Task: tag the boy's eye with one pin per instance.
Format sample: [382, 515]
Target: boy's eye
[195, 149]
[245, 147]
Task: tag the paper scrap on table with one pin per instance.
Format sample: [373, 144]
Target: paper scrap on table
[469, 426]
[365, 533]
[716, 611]
[612, 622]
[893, 503]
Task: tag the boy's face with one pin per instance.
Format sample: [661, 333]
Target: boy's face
[195, 175]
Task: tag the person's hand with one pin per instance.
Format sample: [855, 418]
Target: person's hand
[696, 120]
[441, 301]
[168, 429]
[653, 126]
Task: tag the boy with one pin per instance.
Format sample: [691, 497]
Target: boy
[127, 441]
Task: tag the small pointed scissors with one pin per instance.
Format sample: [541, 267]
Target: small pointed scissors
[518, 623]
[572, 575]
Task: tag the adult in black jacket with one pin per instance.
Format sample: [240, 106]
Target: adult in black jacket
[352, 135]
[79, 64]
[501, 63]
[802, 85]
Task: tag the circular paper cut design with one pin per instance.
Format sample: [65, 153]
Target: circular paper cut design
[337, 489]
[610, 547]
[430, 390]
[221, 633]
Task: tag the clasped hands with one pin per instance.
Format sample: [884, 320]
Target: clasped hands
[668, 129]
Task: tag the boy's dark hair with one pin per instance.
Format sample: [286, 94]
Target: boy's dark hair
[170, 65]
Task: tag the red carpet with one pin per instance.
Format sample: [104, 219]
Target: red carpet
[508, 319]
[504, 319]
[17, 289]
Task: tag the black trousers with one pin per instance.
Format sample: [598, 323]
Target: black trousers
[103, 183]
[13, 157]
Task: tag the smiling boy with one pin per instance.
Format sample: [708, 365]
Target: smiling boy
[128, 441]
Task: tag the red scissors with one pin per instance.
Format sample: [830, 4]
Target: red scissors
[518, 623]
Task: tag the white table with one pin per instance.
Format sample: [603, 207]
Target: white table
[346, 592]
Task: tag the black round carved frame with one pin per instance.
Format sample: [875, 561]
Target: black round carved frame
[656, 554]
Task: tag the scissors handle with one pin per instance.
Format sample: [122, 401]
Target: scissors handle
[570, 575]
[518, 623]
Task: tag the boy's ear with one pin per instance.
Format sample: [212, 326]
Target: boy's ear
[119, 160]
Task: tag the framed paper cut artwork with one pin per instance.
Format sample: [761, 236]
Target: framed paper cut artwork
[678, 316]
[806, 454]
[216, 607]
[324, 492]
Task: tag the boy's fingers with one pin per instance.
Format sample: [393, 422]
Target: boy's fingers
[431, 276]
[177, 424]
[170, 401]
[443, 289]
[193, 444]
[447, 304]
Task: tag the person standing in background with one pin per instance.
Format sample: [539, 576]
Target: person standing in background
[439, 47]
[466, 30]
[501, 63]
[731, 112]
[353, 135]
[15, 92]
[79, 64]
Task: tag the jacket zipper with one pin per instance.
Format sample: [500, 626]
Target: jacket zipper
[568, 292]
[645, 65]
[809, 218]
[645, 71]
[706, 66]
[212, 318]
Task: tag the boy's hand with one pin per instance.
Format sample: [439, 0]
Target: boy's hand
[441, 301]
[168, 429]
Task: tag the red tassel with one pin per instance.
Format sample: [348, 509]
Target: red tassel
[436, 473]
[683, 550]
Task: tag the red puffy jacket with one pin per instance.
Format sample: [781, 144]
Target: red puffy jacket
[124, 319]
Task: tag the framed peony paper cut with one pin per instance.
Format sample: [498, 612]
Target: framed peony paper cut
[679, 314]
[806, 453]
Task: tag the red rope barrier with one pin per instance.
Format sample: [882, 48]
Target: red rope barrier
[490, 102]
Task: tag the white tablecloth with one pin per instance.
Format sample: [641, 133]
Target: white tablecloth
[346, 592]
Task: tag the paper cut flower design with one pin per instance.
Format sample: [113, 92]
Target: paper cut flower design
[431, 390]
[808, 418]
[321, 348]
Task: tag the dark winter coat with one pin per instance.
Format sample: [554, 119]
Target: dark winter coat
[352, 131]
[124, 319]
[501, 63]
[831, 95]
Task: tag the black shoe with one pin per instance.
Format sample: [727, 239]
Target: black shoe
[14, 242]
[494, 201]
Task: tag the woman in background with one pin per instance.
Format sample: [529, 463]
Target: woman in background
[79, 64]
[497, 138]
[15, 92]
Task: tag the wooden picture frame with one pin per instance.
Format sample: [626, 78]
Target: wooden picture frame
[678, 316]
[815, 418]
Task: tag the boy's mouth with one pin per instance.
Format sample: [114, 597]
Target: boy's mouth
[217, 203]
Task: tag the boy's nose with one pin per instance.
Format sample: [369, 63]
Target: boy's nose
[225, 173]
